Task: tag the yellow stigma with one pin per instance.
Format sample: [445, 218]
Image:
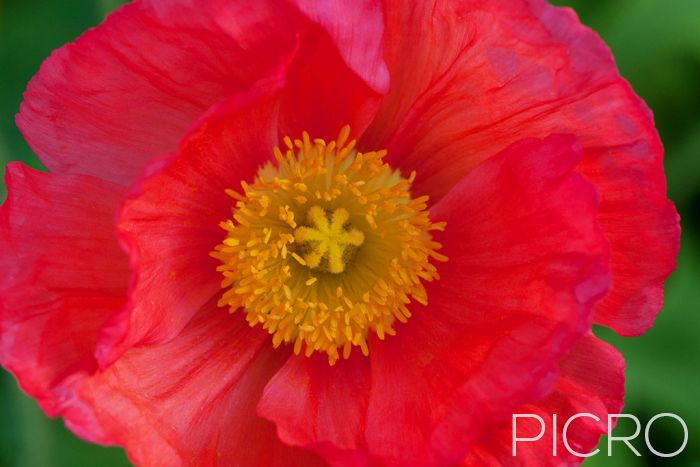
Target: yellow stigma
[327, 246]
[328, 240]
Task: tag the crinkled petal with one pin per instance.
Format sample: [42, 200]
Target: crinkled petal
[127, 90]
[63, 274]
[591, 381]
[355, 27]
[190, 401]
[321, 407]
[643, 228]
[321, 94]
[507, 70]
[527, 262]
[169, 224]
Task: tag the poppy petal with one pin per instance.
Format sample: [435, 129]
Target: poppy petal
[643, 228]
[170, 221]
[508, 70]
[527, 262]
[357, 28]
[591, 381]
[63, 275]
[321, 407]
[190, 401]
[127, 90]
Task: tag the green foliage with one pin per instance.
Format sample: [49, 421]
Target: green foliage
[657, 46]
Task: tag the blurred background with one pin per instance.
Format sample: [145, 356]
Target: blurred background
[657, 47]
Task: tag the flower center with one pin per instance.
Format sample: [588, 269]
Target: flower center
[327, 246]
[330, 240]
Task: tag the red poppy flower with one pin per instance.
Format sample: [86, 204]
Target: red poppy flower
[463, 188]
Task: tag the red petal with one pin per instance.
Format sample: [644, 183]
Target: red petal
[321, 94]
[643, 228]
[591, 381]
[63, 274]
[526, 264]
[357, 28]
[506, 70]
[128, 89]
[170, 221]
[321, 407]
[190, 401]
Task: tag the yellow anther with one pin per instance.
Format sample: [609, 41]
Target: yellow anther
[299, 259]
[311, 281]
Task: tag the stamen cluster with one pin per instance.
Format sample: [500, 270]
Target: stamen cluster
[326, 246]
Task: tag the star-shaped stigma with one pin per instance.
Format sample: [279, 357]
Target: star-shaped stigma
[328, 240]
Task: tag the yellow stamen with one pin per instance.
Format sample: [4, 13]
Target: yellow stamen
[327, 246]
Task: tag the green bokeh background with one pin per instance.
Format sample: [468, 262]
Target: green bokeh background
[657, 46]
